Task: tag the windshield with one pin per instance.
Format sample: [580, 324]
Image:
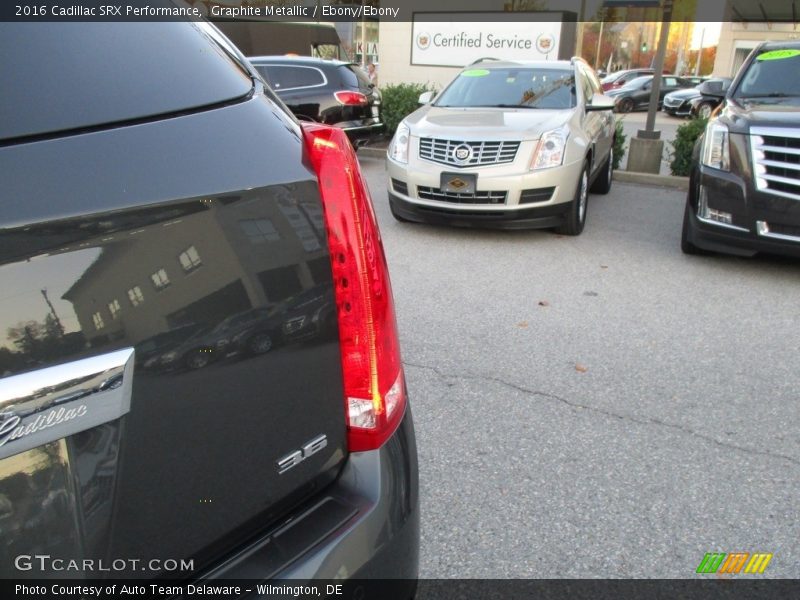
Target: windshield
[512, 87]
[773, 74]
[634, 84]
[612, 77]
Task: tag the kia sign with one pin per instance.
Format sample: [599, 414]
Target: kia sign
[455, 43]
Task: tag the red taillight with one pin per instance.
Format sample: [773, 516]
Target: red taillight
[375, 397]
[351, 98]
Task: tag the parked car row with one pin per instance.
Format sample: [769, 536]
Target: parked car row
[698, 101]
[308, 315]
[636, 93]
[618, 79]
[515, 144]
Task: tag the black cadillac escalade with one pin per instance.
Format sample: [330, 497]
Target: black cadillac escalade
[153, 188]
[744, 192]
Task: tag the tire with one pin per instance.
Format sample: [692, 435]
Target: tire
[197, 359]
[687, 247]
[625, 105]
[602, 185]
[260, 343]
[704, 110]
[575, 218]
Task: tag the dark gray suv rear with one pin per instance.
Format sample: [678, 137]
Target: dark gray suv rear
[167, 198]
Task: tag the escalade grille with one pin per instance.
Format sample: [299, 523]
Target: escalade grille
[776, 160]
[478, 197]
[482, 153]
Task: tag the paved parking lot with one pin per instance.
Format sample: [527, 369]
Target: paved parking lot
[599, 406]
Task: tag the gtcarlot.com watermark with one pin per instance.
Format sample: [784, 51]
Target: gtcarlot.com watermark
[46, 563]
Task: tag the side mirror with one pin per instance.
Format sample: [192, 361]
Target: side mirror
[600, 102]
[426, 97]
[711, 88]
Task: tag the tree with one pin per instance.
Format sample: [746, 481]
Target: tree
[38, 341]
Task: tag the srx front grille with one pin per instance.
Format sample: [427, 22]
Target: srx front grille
[476, 153]
[478, 197]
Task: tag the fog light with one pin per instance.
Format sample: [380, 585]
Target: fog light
[720, 216]
[704, 211]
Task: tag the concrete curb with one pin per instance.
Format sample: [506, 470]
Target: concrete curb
[372, 152]
[670, 181]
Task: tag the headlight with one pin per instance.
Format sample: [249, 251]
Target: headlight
[398, 149]
[550, 150]
[169, 357]
[716, 149]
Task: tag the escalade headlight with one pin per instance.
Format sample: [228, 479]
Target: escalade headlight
[398, 149]
[550, 149]
[716, 147]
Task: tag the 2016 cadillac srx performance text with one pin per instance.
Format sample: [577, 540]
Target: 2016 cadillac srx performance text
[142, 210]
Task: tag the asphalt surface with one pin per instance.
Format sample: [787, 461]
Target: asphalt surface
[598, 406]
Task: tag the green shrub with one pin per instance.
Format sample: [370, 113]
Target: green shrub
[619, 144]
[399, 101]
[683, 145]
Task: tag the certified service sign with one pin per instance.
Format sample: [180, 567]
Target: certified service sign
[441, 39]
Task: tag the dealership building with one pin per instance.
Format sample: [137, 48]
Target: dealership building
[748, 23]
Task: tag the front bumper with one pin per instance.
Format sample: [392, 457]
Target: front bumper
[533, 199]
[682, 110]
[761, 222]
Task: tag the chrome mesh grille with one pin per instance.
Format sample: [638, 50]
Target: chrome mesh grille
[482, 153]
[478, 197]
[776, 160]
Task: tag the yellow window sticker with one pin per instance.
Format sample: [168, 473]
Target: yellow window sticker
[475, 73]
[778, 54]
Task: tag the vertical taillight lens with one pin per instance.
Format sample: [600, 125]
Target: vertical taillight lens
[351, 98]
[373, 374]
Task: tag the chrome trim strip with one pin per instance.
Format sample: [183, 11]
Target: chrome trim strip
[778, 178]
[762, 227]
[775, 131]
[363, 127]
[779, 149]
[718, 224]
[52, 403]
[780, 165]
